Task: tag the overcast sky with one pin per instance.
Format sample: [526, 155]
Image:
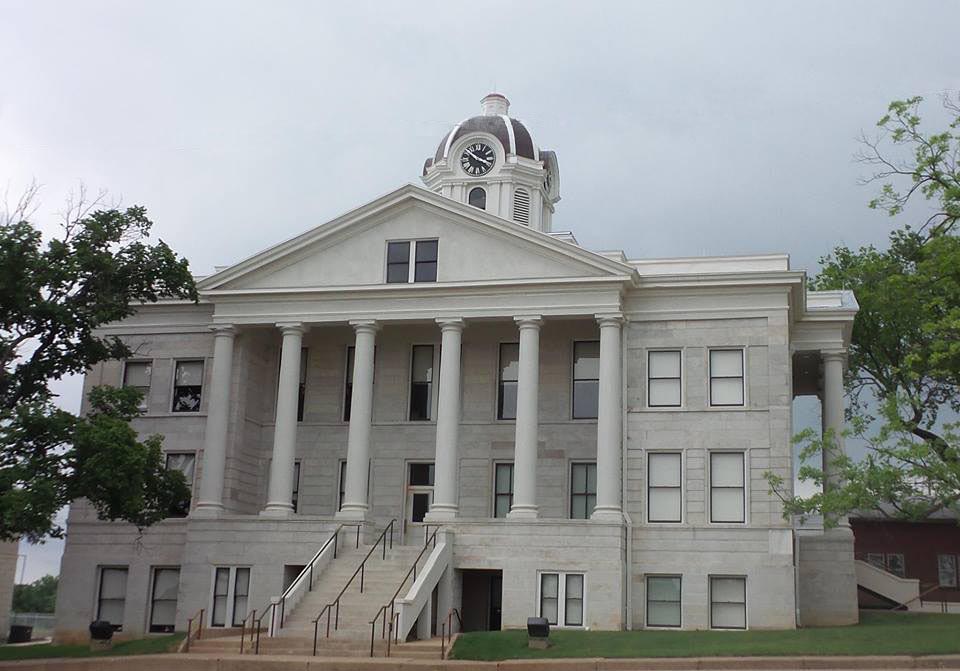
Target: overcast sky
[681, 128]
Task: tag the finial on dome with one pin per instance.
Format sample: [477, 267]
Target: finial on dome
[494, 104]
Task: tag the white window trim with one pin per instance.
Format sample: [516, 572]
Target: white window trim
[683, 488]
[434, 384]
[231, 588]
[149, 609]
[708, 499]
[173, 385]
[746, 601]
[683, 380]
[145, 402]
[570, 464]
[411, 259]
[562, 597]
[496, 381]
[493, 484]
[96, 590]
[744, 379]
[646, 601]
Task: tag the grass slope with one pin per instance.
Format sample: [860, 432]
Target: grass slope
[877, 634]
[140, 646]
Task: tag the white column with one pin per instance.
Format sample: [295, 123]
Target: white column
[525, 447]
[280, 495]
[609, 421]
[832, 410]
[445, 491]
[361, 415]
[210, 503]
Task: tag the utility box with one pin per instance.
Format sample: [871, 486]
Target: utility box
[538, 633]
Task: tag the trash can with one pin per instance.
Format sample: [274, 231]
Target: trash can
[101, 635]
[538, 633]
[20, 633]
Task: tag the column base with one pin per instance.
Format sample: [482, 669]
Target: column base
[277, 510]
[354, 512]
[208, 510]
[442, 512]
[523, 512]
[607, 514]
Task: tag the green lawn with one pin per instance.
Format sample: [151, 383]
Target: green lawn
[877, 634]
[140, 646]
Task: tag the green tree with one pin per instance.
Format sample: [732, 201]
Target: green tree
[53, 297]
[903, 378]
[40, 596]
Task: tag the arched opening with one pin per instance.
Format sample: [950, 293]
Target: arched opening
[478, 197]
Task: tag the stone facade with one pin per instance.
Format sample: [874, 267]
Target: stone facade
[8, 572]
[281, 333]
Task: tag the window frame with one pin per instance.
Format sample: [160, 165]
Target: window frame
[496, 494]
[562, 597]
[153, 598]
[191, 484]
[500, 382]
[586, 493]
[173, 386]
[953, 560]
[348, 382]
[432, 396]
[229, 616]
[679, 602]
[744, 487]
[98, 603]
[574, 379]
[903, 564]
[680, 380]
[680, 516]
[295, 494]
[470, 193]
[746, 601]
[412, 262]
[145, 401]
[742, 377]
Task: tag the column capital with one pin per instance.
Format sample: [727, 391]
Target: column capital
[364, 325]
[291, 327]
[610, 319]
[223, 330]
[529, 321]
[450, 323]
[834, 355]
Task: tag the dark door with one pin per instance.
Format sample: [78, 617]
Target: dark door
[496, 596]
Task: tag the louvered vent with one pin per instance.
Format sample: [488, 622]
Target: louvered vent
[521, 207]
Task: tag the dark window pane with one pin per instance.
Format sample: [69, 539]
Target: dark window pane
[419, 401]
[478, 198]
[398, 252]
[586, 399]
[426, 251]
[507, 403]
[397, 273]
[421, 475]
[421, 503]
[426, 271]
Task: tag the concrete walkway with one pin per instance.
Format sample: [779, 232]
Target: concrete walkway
[200, 662]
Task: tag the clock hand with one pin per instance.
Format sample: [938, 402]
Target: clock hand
[482, 160]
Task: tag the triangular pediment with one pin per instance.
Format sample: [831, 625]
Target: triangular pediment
[474, 246]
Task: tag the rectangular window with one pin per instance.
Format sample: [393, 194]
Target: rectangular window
[726, 377]
[348, 384]
[187, 386]
[663, 601]
[136, 374]
[295, 497]
[663, 487]
[509, 374]
[221, 591]
[728, 602]
[586, 379]
[412, 261]
[163, 599]
[112, 596]
[231, 593]
[896, 565]
[947, 570]
[663, 379]
[877, 559]
[726, 487]
[241, 593]
[502, 489]
[186, 463]
[583, 490]
[421, 383]
[343, 484]
[562, 598]
[302, 389]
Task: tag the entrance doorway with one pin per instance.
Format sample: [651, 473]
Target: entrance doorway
[419, 496]
[482, 600]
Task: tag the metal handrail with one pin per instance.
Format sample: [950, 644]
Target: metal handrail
[199, 618]
[252, 616]
[447, 627]
[361, 570]
[391, 604]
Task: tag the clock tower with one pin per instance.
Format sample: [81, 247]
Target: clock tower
[491, 162]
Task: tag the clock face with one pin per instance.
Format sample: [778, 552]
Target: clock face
[477, 158]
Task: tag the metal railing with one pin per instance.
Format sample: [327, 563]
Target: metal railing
[198, 618]
[446, 630]
[334, 606]
[382, 613]
[252, 617]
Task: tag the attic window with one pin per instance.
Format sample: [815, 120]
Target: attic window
[521, 207]
[412, 261]
[478, 198]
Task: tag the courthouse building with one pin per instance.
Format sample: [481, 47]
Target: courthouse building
[589, 432]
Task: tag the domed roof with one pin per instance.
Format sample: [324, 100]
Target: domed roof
[513, 136]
